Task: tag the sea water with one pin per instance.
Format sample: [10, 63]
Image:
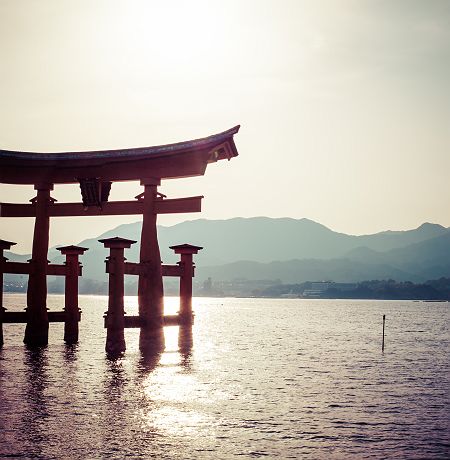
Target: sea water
[256, 378]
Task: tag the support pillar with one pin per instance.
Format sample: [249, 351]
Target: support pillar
[187, 273]
[150, 285]
[36, 331]
[3, 245]
[71, 309]
[115, 323]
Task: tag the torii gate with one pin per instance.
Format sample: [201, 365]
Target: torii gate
[95, 172]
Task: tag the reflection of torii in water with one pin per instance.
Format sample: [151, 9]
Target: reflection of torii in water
[95, 171]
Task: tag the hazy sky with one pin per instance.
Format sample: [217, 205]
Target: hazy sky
[344, 105]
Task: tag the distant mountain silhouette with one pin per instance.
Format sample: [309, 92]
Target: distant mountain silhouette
[288, 249]
[298, 271]
[384, 241]
[428, 259]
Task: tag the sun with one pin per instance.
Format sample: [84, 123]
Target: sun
[176, 36]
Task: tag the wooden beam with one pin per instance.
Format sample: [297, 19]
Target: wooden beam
[133, 321]
[25, 268]
[19, 268]
[132, 268]
[110, 208]
[177, 205]
[21, 316]
[56, 270]
[113, 208]
[60, 270]
[181, 159]
[172, 270]
[17, 210]
[187, 164]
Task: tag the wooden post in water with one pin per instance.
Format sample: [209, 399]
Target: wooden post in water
[3, 245]
[187, 272]
[71, 291]
[36, 331]
[115, 322]
[150, 284]
[382, 343]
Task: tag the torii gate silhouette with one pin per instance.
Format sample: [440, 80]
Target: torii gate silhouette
[95, 171]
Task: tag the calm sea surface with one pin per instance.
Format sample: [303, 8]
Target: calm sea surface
[275, 378]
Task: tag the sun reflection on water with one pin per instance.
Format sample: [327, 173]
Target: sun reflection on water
[177, 422]
[171, 305]
[171, 338]
[174, 399]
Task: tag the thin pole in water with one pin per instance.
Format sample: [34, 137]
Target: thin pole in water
[382, 343]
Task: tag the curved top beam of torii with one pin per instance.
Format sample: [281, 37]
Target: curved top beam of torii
[182, 159]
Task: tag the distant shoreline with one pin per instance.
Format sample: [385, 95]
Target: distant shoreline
[262, 297]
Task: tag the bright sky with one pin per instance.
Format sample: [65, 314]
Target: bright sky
[344, 105]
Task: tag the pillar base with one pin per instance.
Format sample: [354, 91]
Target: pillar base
[71, 337]
[36, 335]
[115, 343]
[71, 329]
[151, 341]
[115, 335]
[185, 339]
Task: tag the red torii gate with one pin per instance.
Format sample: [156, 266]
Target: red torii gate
[95, 172]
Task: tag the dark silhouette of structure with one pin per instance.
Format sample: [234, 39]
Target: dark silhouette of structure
[95, 172]
[117, 268]
[34, 317]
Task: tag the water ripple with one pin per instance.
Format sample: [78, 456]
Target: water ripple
[255, 378]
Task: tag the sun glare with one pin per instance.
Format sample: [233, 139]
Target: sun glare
[183, 34]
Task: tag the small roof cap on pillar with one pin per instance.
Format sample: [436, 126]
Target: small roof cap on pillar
[186, 248]
[6, 244]
[72, 249]
[117, 242]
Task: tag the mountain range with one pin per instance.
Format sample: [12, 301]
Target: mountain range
[290, 250]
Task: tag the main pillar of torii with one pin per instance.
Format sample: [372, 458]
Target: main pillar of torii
[150, 284]
[36, 331]
[95, 171]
